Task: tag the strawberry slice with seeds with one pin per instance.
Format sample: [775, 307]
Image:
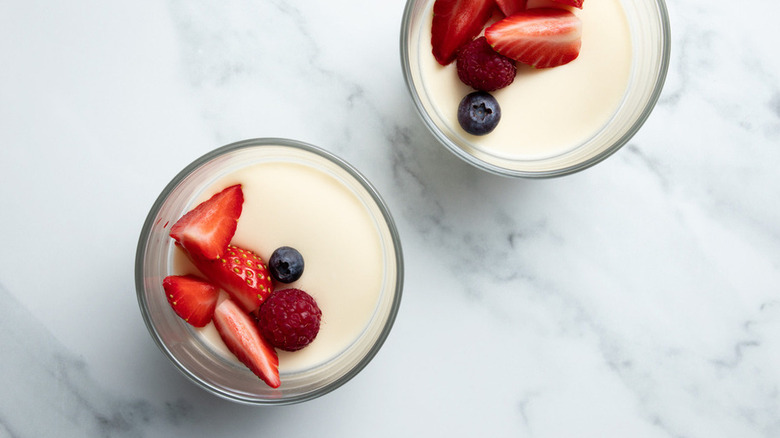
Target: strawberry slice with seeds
[540, 37]
[241, 273]
[242, 337]
[575, 3]
[206, 230]
[191, 298]
[455, 23]
[510, 7]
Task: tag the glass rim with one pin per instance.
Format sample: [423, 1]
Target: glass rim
[143, 241]
[657, 88]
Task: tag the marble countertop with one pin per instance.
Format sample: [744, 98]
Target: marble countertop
[639, 298]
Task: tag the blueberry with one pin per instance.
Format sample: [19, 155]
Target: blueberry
[479, 113]
[286, 264]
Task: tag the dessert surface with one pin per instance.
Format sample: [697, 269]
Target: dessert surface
[545, 111]
[307, 208]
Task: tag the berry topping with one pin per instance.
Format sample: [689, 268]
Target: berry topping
[540, 37]
[206, 230]
[241, 273]
[480, 67]
[509, 7]
[575, 3]
[191, 298]
[455, 23]
[239, 332]
[286, 264]
[479, 113]
[289, 319]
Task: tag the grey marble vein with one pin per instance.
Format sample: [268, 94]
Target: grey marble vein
[53, 392]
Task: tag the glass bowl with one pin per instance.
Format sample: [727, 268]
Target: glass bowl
[647, 24]
[186, 346]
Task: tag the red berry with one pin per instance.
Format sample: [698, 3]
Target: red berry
[242, 338]
[289, 319]
[575, 3]
[482, 68]
[191, 298]
[241, 273]
[207, 229]
[455, 23]
[509, 7]
[540, 37]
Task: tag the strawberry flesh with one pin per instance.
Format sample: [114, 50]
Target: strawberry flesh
[241, 273]
[191, 298]
[242, 337]
[206, 230]
[455, 23]
[540, 37]
[510, 7]
[575, 3]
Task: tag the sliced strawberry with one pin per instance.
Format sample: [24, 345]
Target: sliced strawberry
[192, 299]
[455, 23]
[206, 230]
[242, 338]
[510, 7]
[575, 3]
[540, 37]
[241, 273]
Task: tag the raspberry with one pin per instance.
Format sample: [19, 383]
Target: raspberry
[480, 67]
[289, 319]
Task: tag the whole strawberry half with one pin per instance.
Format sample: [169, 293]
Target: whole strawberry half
[240, 273]
[242, 337]
[455, 23]
[206, 230]
[540, 37]
[575, 3]
[509, 7]
[191, 298]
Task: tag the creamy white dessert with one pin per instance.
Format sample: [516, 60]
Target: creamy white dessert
[545, 112]
[299, 199]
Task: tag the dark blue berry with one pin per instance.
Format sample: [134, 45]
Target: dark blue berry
[479, 113]
[286, 264]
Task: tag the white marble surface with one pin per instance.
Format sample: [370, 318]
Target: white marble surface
[640, 298]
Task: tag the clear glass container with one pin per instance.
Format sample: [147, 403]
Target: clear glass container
[180, 342]
[649, 27]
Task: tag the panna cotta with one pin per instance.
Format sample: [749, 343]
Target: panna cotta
[316, 211]
[545, 112]
[292, 194]
[554, 121]
[299, 200]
